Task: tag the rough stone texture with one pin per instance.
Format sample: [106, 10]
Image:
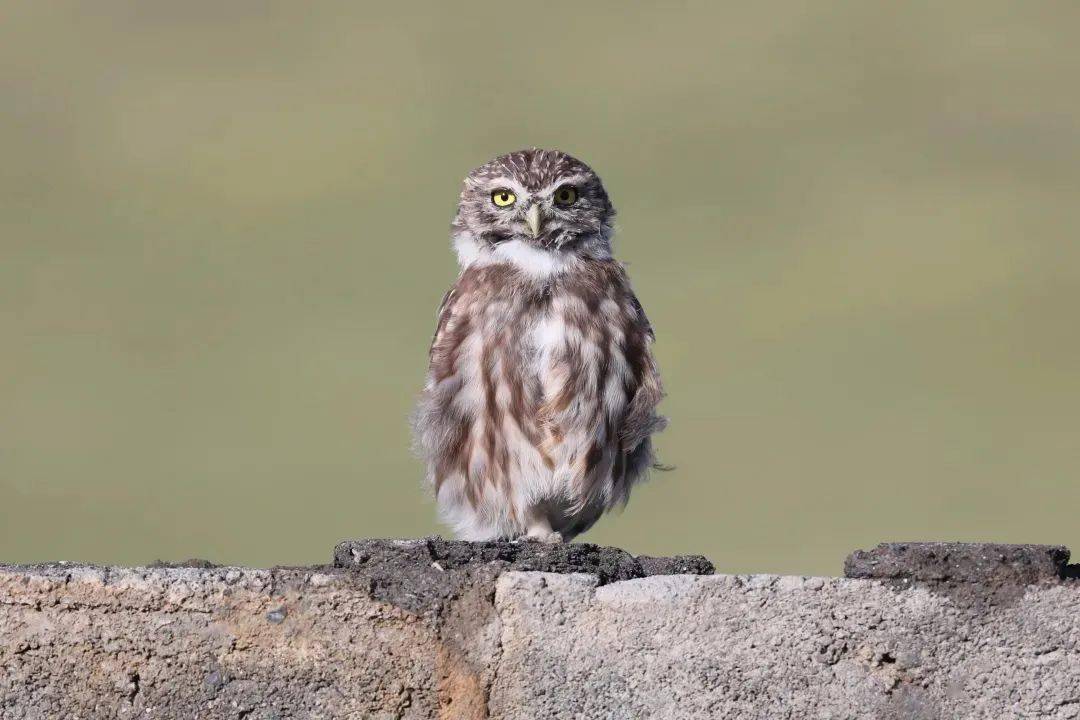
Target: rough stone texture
[436, 629]
[971, 574]
[433, 558]
[213, 643]
[959, 562]
[779, 647]
[403, 629]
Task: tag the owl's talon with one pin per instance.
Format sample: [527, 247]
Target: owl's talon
[549, 537]
[553, 538]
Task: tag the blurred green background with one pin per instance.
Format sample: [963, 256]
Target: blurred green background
[224, 232]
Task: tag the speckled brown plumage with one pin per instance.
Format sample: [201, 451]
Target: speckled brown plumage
[542, 389]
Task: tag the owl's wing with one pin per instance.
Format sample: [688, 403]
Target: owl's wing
[642, 321]
[442, 315]
[645, 388]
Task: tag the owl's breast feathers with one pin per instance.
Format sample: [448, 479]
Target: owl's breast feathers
[540, 388]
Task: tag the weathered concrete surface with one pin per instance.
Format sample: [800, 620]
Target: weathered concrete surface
[434, 629]
[210, 643]
[406, 629]
[960, 562]
[970, 574]
[780, 647]
[424, 574]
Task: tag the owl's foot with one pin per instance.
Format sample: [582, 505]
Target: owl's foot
[543, 533]
[551, 538]
[538, 529]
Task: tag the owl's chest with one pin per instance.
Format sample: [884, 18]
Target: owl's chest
[550, 341]
[520, 334]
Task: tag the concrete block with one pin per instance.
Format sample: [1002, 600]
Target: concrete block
[438, 629]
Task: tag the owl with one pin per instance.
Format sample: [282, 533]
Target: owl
[541, 392]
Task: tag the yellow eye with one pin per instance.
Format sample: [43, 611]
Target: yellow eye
[503, 198]
[566, 195]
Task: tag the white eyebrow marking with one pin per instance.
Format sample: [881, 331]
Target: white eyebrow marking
[569, 180]
[493, 184]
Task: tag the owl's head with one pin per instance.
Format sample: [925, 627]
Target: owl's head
[538, 209]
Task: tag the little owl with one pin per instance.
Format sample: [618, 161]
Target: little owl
[541, 389]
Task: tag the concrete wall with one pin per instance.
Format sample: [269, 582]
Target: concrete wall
[429, 629]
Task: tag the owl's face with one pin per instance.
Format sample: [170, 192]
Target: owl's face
[533, 201]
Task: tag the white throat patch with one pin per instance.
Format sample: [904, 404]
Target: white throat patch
[531, 260]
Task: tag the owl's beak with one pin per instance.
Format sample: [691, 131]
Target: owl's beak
[532, 219]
